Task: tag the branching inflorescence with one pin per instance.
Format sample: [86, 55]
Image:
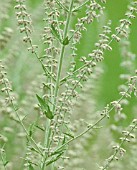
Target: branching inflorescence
[64, 76]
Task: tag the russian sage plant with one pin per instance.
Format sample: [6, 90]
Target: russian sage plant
[55, 122]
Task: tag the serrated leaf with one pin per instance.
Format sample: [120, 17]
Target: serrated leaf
[45, 107]
[55, 33]
[65, 41]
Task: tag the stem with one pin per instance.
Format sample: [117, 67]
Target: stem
[34, 52]
[21, 123]
[91, 126]
[2, 159]
[68, 76]
[77, 8]
[62, 54]
[61, 5]
[117, 150]
[58, 78]
[85, 65]
[81, 134]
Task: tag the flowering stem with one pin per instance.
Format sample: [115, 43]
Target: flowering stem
[91, 126]
[48, 134]
[117, 150]
[19, 119]
[62, 53]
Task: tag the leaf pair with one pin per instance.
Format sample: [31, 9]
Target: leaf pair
[45, 107]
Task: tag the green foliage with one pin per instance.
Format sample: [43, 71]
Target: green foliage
[55, 33]
[45, 107]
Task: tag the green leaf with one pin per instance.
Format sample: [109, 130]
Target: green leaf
[31, 167]
[54, 159]
[61, 148]
[31, 129]
[49, 114]
[63, 80]
[5, 163]
[39, 127]
[46, 86]
[61, 5]
[55, 33]
[59, 151]
[42, 103]
[45, 107]
[33, 149]
[65, 41]
[70, 135]
[64, 140]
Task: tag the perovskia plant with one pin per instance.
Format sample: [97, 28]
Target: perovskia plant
[54, 121]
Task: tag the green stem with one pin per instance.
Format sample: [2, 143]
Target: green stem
[58, 77]
[62, 54]
[81, 134]
[19, 119]
[118, 149]
[79, 7]
[91, 126]
[35, 53]
[85, 65]
[2, 159]
[61, 5]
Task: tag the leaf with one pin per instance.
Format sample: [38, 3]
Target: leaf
[61, 5]
[61, 148]
[65, 41]
[46, 86]
[5, 163]
[55, 33]
[70, 135]
[45, 107]
[75, 68]
[55, 159]
[49, 114]
[33, 149]
[64, 140]
[39, 127]
[59, 151]
[31, 167]
[31, 129]
[44, 69]
[63, 80]
[42, 103]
